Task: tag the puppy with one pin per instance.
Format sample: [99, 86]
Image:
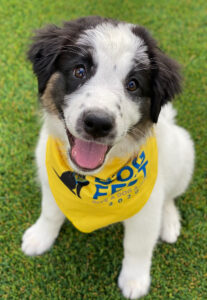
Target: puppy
[109, 149]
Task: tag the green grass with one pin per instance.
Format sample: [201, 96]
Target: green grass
[81, 266]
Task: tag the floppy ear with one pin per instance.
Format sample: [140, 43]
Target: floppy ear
[43, 53]
[165, 80]
[49, 43]
[165, 73]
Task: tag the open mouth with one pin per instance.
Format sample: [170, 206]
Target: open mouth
[87, 155]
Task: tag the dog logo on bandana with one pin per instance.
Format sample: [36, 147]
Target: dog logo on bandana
[75, 182]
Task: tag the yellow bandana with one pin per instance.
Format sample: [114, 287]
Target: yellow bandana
[116, 193]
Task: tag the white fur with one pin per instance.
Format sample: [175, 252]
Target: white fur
[159, 217]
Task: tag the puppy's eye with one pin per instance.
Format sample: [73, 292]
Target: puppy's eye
[132, 85]
[79, 72]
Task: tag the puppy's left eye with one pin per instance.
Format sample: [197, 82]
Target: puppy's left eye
[132, 85]
[79, 72]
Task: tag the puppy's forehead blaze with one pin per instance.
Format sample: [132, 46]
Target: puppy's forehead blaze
[115, 42]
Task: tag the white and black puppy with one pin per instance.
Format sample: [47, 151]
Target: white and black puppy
[103, 86]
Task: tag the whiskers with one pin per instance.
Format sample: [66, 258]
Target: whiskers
[137, 133]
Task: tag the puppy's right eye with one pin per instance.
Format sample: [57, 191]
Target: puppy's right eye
[132, 85]
[79, 72]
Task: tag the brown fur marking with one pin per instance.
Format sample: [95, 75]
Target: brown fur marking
[47, 98]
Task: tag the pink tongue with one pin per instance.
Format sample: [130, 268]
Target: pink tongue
[88, 155]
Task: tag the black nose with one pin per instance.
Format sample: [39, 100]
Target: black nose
[98, 124]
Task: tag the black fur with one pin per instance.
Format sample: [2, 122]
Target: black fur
[165, 74]
[142, 74]
[68, 60]
[43, 53]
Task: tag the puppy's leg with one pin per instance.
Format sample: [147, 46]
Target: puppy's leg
[41, 236]
[170, 229]
[141, 234]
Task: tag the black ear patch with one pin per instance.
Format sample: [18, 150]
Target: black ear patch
[165, 73]
[50, 42]
[165, 80]
[43, 53]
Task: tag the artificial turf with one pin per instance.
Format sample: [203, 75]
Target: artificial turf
[86, 266]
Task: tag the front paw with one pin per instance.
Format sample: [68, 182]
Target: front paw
[38, 238]
[133, 286]
[170, 229]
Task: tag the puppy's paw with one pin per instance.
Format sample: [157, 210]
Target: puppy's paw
[133, 287]
[37, 239]
[170, 229]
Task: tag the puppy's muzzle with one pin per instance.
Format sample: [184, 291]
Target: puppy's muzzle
[98, 123]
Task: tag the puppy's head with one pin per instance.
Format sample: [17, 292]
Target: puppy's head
[102, 83]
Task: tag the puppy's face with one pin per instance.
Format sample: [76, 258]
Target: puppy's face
[102, 83]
